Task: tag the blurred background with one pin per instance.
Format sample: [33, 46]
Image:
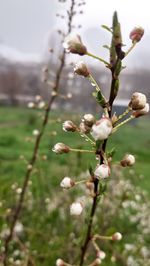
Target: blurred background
[31, 34]
[29, 29]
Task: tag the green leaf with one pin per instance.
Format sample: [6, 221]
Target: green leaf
[91, 170]
[106, 46]
[111, 152]
[106, 28]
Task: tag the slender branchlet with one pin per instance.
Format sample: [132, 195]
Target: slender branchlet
[103, 128]
[33, 159]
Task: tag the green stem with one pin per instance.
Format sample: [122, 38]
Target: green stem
[86, 137]
[78, 150]
[122, 123]
[99, 58]
[80, 182]
[102, 237]
[122, 115]
[131, 48]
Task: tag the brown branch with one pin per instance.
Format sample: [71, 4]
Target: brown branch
[37, 143]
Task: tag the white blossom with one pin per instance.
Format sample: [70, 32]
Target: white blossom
[101, 129]
[76, 208]
[67, 182]
[102, 171]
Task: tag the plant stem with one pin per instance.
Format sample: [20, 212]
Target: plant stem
[78, 150]
[131, 48]
[122, 115]
[37, 144]
[99, 58]
[122, 123]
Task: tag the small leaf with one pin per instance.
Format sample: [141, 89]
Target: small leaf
[107, 28]
[91, 170]
[111, 152]
[106, 46]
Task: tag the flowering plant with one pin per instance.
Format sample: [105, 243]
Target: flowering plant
[98, 132]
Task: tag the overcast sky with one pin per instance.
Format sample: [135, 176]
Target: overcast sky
[26, 24]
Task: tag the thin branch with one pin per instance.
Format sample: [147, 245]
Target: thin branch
[37, 144]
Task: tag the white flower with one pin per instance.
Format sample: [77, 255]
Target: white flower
[128, 160]
[31, 105]
[60, 148]
[88, 119]
[60, 262]
[38, 98]
[102, 171]
[18, 229]
[101, 129]
[138, 101]
[101, 254]
[73, 44]
[35, 132]
[76, 208]
[81, 69]
[117, 236]
[69, 126]
[141, 112]
[67, 182]
[41, 104]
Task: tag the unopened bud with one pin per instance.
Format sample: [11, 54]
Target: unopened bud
[35, 132]
[89, 120]
[67, 182]
[69, 126]
[76, 208]
[102, 171]
[141, 112]
[101, 129]
[101, 254]
[60, 148]
[81, 69]
[96, 262]
[117, 236]
[128, 160]
[60, 262]
[136, 34]
[84, 128]
[31, 105]
[138, 101]
[73, 44]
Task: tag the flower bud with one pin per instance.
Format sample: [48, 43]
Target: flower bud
[138, 101]
[60, 148]
[73, 44]
[101, 254]
[141, 112]
[102, 171]
[41, 105]
[136, 34]
[67, 182]
[101, 129]
[81, 69]
[116, 236]
[84, 128]
[96, 262]
[88, 120]
[69, 126]
[31, 105]
[76, 208]
[35, 132]
[60, 262]
[128, 160]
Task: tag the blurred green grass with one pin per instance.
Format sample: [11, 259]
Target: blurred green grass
[16, 125]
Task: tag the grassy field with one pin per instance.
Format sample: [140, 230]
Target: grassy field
[16, 139]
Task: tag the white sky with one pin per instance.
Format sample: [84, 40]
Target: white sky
[25, 23]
